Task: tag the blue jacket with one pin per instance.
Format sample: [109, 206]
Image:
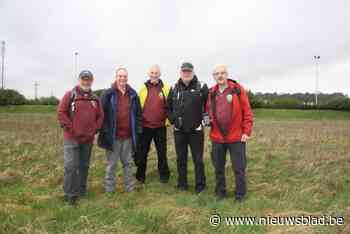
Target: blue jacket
[109, 126]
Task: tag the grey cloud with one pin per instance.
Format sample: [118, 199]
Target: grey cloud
[268, 45]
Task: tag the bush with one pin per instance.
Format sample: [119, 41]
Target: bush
[254, 101]
[49, 101]
[338, 104]
[44, 101]
[99, 92]
[288, 103]
[11, 97]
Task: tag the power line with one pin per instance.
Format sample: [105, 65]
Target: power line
[317, 59]
[36, 84]
[76, 54]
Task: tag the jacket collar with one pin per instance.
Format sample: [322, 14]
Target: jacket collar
[192, 84]
[130, 91]
[230, 84]
[149, 84]
[82, 92]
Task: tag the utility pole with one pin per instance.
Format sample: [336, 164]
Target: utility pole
[317, 66]
[36, 84]
[76, 53]
[2, 64]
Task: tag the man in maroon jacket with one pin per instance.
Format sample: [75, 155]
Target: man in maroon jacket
[80, 115]
[231, 121]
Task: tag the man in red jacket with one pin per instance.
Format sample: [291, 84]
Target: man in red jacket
[231, 121]
[80, 115]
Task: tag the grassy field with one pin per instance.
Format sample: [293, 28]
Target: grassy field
[298, 164]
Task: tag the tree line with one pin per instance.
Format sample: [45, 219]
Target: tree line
[332, 101]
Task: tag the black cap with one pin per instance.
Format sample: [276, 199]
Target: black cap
[187, 67]
[85, 74]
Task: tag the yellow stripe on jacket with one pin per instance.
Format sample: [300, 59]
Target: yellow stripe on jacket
[144, 92]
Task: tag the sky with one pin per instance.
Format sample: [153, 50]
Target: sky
[269, 46]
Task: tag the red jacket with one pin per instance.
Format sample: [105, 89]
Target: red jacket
[242, 116]
[82, 124]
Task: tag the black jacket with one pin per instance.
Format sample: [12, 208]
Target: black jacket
[186, 104]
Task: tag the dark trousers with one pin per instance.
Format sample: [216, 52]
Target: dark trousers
[238, 160]
[159, 135]
[76, 167]
[195, 140]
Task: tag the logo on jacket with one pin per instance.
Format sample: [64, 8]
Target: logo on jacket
[229, 98]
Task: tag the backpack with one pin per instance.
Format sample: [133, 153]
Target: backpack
[73, 99]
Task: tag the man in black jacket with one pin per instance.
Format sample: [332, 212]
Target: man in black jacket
[186, 102]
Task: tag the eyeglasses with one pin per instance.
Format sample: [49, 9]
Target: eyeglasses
[219, 73]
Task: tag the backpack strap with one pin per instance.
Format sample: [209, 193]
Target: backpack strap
[231, 91]
[71, 106]
[74, 98]
[198, 86]
[213, 109]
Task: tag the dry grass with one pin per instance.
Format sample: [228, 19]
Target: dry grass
[295, 167]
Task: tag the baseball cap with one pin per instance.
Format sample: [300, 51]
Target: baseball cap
[85, 74]
[187, 67]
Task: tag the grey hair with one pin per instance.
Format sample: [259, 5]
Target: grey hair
[121, 68]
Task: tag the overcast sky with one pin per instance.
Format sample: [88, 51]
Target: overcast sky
[268, 45]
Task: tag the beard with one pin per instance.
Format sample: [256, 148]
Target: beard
[85, 88]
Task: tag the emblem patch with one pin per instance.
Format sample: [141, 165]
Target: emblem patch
[229, 98]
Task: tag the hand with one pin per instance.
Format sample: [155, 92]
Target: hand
[206, 120]
[244, 138]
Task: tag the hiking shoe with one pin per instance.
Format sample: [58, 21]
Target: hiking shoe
[72, 201]
[201, 189]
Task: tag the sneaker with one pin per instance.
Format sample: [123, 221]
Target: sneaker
[140, 180]
[72, 201]
[239, 199]
[199, 190]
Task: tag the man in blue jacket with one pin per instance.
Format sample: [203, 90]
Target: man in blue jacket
[121, 126]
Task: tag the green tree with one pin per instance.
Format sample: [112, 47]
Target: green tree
[11, 97]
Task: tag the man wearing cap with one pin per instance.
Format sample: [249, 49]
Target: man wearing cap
[80, 115]
[186, 102]
[121, 126]
[231, 121]
[153, 96]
